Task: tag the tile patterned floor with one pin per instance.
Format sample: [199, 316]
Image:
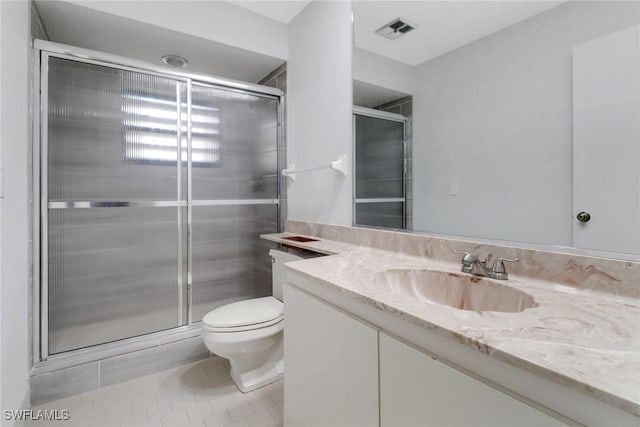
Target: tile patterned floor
[200, 394]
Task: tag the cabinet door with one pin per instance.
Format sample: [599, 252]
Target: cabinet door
[417, 390]
[331, 365]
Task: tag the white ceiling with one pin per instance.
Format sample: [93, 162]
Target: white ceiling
[92, 29]
[280, 10]
[441, 26]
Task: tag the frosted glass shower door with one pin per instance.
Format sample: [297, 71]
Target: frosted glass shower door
[114, 203]
[234, 164]
[379, 172]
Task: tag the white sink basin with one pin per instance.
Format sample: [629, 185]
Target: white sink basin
[457, 290]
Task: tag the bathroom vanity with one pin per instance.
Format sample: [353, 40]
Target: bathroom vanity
[362, 375]
[363, 348]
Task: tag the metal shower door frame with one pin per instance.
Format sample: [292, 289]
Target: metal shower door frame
[43, 50]
[393, 117]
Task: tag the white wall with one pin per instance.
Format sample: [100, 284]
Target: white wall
[319, 111]
[381, 71]
[14, 132]
[495, 116]
[212, 20]
[1, 215]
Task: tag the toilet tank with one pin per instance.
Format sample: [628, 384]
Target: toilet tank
[278, 258]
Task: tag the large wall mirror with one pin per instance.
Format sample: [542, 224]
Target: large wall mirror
[522, 121]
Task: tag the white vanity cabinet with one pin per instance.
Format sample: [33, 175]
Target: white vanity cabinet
[331, 365]
[342, 371]
[418, 390]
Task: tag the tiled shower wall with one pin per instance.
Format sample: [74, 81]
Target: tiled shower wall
[404, 106]
[278, 79]
[38, 30]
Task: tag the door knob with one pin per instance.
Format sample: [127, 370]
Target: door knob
[583, 216]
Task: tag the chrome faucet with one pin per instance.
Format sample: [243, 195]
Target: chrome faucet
[472, 264]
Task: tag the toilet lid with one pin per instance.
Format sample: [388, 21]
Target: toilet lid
[244, 313]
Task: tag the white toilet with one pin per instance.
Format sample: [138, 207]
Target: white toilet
[249, 333]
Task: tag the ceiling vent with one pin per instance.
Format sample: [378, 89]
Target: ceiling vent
[395, 28]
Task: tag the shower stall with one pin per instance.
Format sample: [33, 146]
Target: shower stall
[379, 186]
[153, 189]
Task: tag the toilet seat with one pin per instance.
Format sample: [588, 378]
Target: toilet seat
[244, 315]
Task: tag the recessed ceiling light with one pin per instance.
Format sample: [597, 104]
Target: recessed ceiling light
[175, 61]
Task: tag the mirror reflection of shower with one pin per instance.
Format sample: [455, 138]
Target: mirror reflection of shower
[382, 191]
[524, 116]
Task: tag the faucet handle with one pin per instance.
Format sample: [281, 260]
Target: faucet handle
[467, 260]
[498, 267]
[468, 256]
[471, 257]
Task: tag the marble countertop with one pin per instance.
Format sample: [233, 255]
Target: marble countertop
[584, 339]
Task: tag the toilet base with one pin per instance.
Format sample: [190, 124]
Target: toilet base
[251, 381]
[248, 376]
